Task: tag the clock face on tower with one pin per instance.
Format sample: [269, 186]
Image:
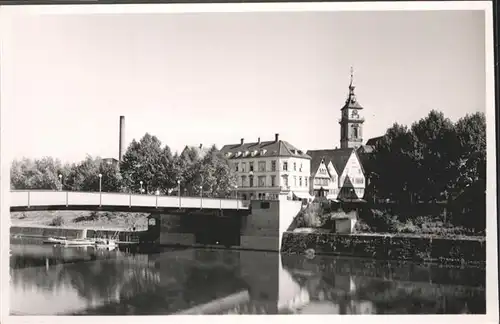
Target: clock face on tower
[354, 114]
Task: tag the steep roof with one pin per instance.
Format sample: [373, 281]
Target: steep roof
[365, 149]
[338, 157]
[200, 150]
[373, 141]
[263, 149]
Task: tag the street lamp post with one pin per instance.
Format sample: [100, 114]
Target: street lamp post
[201, 197]
[60, 181]
[236, 196]
[179, 192]
[100, 189]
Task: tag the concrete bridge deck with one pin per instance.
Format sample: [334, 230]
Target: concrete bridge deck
[25, 200]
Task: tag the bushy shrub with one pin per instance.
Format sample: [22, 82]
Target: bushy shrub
[57, 221]
[362, 227]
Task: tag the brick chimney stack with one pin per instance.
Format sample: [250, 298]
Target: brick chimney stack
[121, 145]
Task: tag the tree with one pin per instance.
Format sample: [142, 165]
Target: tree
[187, 168]
[84, 176]
[433, 160]
[393, 163]
[437, 148]
[471, 137]
[41, 174]
[219, 179]
[146, 161]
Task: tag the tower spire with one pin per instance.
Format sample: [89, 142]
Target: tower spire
[351, 98]
[352, 77]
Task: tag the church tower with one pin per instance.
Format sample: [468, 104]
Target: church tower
[351, 122]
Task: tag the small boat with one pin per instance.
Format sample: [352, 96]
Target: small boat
[55, 240]
[67, 242]
[101, 242]
[78, 242]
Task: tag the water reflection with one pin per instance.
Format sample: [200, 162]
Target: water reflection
[49, 280]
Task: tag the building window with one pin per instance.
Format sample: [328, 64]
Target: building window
[300, 167]
[262, 181]
[285, 166]
[251, 181]
[243, 166]
[273, 165]
[295, 181]
[300, 181]
[305, 181]
[243, 181]
[250, 166]
[355, 131]
[236, 166]
[294, 166]
[285, 180]
[273, 181]
[262, 166]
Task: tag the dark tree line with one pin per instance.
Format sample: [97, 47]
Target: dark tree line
[433, 160]
[146, 160]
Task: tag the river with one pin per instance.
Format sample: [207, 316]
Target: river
[53, 280]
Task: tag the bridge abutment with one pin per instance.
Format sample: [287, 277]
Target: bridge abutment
[260, 228]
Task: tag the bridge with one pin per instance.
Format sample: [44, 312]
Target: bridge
[26, 200]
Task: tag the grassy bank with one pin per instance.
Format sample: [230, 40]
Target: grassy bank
[391, 220]
[80, 219]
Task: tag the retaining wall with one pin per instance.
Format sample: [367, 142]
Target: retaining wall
[416, 249]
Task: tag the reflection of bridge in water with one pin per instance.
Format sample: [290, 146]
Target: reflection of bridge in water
[226, 281]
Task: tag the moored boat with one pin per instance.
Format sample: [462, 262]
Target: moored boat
[101, 242]
[78, 242]
[55, 240]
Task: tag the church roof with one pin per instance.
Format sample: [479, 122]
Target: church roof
[351, 101]
[373, 141]
[338, 157]
[263, 149]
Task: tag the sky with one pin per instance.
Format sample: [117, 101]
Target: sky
[213, 78]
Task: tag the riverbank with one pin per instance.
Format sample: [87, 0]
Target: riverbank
[415, 248]
[80, 220]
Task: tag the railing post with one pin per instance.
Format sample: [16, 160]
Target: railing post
[220, 203]
[130, 200]
[156, 201]
[28, 199]
[100, 199]
[66, 199]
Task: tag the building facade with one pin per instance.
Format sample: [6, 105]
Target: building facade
[337, 174]
[269, 170]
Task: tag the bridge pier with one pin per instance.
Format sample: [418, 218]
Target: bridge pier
[260, 228]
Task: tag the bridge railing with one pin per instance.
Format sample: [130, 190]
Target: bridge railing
[27, 198]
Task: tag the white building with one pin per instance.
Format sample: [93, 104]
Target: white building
[270, 169]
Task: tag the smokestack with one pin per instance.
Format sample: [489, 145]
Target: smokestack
[121, 147]
[201, 146]
[242, 141]
[276, 137]
[258, 142]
